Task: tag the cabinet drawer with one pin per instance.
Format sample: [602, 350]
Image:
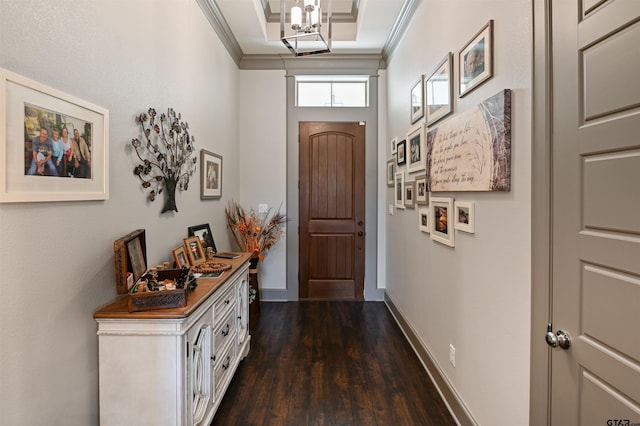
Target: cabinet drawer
[224, 302]
[225, 331]
[223, 368]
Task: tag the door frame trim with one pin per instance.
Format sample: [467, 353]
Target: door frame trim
[541, 209]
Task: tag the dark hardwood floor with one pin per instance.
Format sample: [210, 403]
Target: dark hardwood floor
[330, 363]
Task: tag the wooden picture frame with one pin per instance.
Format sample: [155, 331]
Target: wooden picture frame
[195, 251]
[210, 175]
[204, 233]
[416, 150]
[475, 60]
[180, 257]
[417, 100]
[410, 194]
[399, 189]
[391, 168]
[441, 222]
[438, 91]
[423, 220]
[29, 113]
[464, 214]
[422, 192]
[401, 156]
[135, 242]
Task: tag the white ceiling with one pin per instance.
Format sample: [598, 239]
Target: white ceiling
[367, 35]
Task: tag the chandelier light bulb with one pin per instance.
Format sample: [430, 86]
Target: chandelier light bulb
[309, 5]
[296, 18]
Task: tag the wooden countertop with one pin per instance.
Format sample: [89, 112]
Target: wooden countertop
[118, 309]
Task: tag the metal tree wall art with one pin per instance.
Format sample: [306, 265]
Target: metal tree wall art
[167, 157]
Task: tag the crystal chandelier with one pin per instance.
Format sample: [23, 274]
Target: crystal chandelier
[306, 23]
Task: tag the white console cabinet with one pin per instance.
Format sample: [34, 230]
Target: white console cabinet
[173, 366]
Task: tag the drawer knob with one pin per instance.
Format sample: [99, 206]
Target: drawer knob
[226, 332]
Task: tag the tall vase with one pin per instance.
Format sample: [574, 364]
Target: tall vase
[254, 307]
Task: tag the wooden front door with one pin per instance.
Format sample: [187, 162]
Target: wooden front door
[332, 223]
[595, 295]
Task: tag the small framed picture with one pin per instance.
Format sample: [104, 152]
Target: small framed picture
[422, 195]
[204, 233]
[417, 101]
[417, 153]
[410, 194]
[438, 91]
[136, 257]
[180, 257]
[195, 251]
[399, 189]
[391, 168]
[475, 60]
[464, 216]
[394, 146]
[423, 220]
[401, 157]
[210, 175]
[441, 225]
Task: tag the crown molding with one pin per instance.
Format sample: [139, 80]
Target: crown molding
[331, 61]
[407, 11]
[350, 64]
[214, 15]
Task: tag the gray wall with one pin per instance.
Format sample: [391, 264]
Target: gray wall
[57, 258]
[475, 296]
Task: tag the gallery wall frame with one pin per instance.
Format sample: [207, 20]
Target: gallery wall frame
[393, 145]
[423, 220]
[422, 193]
[464, 216]
[417, 100]
[441, 222]
[475, 60]
[410, 194]
[210, 175]
[27, 107]
[401, 156]
[416, 149]
[438, 91]
[391, 168]
[399, 189]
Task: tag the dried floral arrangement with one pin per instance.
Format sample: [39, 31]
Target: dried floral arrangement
[167, 158]
[254, 233]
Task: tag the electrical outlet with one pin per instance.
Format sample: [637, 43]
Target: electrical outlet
[391, 209]
[262, 208]
[452, 355]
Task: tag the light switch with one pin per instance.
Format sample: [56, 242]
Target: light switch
[391, 209]
[262, 208]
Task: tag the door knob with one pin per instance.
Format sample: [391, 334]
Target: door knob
[560, 338]
[360, 233]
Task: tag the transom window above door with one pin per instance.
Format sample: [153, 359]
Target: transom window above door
[332, 91]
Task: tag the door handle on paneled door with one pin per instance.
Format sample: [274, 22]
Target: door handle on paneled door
[560, 338]
[360, 233]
